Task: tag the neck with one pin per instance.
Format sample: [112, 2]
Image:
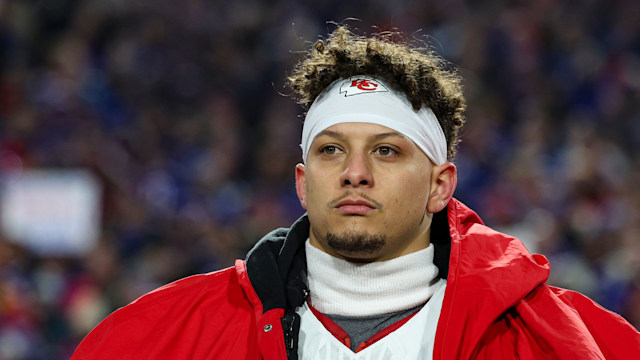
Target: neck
[340, 287]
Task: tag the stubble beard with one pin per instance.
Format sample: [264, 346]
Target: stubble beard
[356, 243]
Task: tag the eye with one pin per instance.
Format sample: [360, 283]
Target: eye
[330, 150]
[385, 151]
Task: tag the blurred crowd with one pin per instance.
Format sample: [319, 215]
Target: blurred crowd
[178, 109]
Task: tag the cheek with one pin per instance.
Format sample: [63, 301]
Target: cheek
[314, 191]
[413, 192]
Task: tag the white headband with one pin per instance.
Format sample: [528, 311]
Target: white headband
[369, 100]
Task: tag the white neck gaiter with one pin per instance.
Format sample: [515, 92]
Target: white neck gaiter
[340, 287]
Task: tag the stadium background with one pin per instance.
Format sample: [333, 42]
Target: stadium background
[176, 108]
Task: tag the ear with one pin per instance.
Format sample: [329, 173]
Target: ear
[301, 185]
[444, 180]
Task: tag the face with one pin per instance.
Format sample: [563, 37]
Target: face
[368, 190]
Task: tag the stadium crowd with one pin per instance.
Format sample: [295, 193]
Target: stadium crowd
[178, 109]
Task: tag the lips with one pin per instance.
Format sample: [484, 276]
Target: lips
[359, 207]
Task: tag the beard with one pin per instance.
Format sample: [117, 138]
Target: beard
[355, 243]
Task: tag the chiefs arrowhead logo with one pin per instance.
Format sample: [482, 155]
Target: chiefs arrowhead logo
[361, 85]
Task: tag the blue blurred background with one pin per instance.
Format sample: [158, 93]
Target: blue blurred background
[175, 110]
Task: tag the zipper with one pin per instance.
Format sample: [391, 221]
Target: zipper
[291, 327]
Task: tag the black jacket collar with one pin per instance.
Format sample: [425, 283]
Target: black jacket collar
[277, 267]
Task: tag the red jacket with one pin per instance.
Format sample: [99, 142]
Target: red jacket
[496, 306]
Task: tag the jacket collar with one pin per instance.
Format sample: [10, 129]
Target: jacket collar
[277, 267]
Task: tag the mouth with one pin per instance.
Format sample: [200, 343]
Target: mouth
[358, 207]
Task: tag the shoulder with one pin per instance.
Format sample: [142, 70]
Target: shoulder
[569, 325]
[195, 292]
[170, 318]
[214, 286]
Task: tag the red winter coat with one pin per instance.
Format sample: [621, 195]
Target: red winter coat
[496, 306]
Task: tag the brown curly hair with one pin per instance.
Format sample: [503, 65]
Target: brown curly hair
[419, 73]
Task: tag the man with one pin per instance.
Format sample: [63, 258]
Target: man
[385, 264]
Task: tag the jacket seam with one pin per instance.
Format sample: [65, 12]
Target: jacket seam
[247, 286]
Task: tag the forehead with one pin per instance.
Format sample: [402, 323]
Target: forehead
[355, 130]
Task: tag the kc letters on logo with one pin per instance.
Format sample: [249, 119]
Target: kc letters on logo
[361, 85]
[364, 84]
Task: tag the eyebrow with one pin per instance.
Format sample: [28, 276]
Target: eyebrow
[331, 133]
[386, 135]
[341, 136]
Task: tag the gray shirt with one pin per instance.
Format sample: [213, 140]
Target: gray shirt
[361, 329]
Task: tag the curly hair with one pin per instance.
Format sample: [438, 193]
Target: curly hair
[419, 73]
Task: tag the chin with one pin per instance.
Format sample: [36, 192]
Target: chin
[361, 245]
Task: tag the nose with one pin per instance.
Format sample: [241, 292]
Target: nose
[357, 171]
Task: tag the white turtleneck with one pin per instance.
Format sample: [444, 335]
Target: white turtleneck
[340, 287]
